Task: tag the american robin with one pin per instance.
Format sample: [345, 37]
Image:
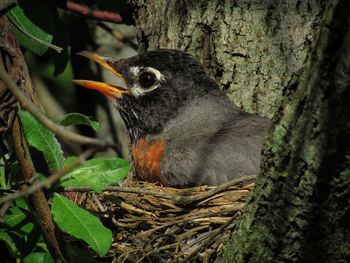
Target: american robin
[183, 129]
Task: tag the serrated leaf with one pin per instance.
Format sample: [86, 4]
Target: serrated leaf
[33, 29]
[38, 257]
[97, 173]
[79, 119]
[43, 140]
[81, 224]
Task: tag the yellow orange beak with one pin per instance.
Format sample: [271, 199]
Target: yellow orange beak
[107, 89]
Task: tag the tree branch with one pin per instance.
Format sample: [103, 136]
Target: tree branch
[93, 14]
[118, 36]
[11, 53]
[6, 4]
[36, 112]
[51, 179]
[37, 201]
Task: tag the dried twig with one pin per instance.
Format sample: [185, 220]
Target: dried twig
[118, 36]
[37, 200]
[93, 14]
[28, 105]
[17, 69]
[149, 230]
[177, 199]
[209, 240]
[51, 179]
[165, 247]
[3, 210]
[6, 4]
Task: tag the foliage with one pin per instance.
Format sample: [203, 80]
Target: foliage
[97, 173]
[43, 140]
[79, 119]
[81, 224]
[42, 30]
[19, 232]
[34, 32]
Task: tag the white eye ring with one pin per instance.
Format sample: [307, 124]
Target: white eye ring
[137, 90]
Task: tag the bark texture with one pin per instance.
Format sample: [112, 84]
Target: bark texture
[258, 53]
[300, 208]
[252, 48]
[11, 134]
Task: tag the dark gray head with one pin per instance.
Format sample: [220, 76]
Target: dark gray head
[158, 84]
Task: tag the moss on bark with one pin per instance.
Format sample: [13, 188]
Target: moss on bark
[252, 48]
[300, 209]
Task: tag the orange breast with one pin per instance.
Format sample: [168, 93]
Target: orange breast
[147, 156]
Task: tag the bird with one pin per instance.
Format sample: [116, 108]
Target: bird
[183, 129]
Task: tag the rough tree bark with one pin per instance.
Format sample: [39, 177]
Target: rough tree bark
[256, 50]
[300, 209]
[12, 136]
[252, 48]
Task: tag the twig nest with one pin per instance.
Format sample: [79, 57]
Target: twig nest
[153, 223]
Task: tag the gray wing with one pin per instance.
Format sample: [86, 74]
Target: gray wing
[229, 152]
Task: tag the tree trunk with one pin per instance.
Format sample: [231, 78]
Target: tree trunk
[256, 50]
[300, 209]
[252, 48]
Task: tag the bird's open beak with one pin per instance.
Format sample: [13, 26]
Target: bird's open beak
[107, 89]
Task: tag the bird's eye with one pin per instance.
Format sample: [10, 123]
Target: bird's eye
[147, 79]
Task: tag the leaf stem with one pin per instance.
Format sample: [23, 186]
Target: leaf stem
[41, 41]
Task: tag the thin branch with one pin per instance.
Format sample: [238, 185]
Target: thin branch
[177, 199]
[158, 249]
[36, 112]
[118, 36]
[188, 218]
[191, 199]
[210, 240]
[37, 201]
[6, 4]
[51, 179]
[3, 210]
[93, 14]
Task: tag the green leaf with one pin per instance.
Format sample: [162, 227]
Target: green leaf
[43, 140]
[19, 219]
[11, 245]
[81, 224]
[15, 217]
[39, 257]
[3, 183]
[97, 173]
[79, 119]
[34, 25]
[21, 203]
[20, 230]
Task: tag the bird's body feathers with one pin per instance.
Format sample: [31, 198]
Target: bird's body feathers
[183, 129]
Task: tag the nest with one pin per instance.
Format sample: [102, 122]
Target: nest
[152, 223]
